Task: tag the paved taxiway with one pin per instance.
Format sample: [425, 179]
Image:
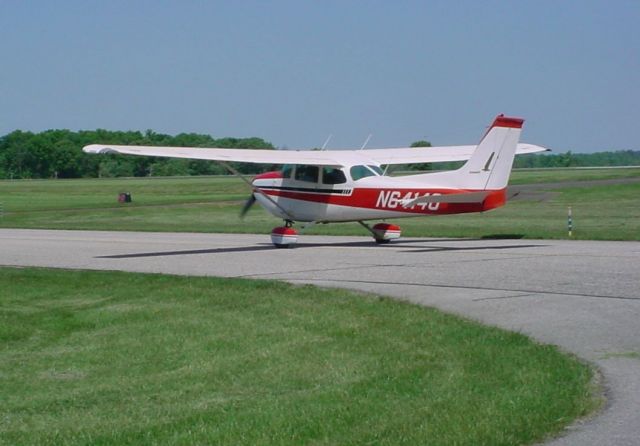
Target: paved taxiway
[582, 296]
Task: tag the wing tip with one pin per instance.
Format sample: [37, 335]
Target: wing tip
[97, 149]
[531, 148]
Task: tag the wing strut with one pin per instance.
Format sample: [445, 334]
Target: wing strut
[366, 141]
[324, 146]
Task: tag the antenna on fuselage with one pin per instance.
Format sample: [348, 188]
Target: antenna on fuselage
[366, 141]
[324, 146]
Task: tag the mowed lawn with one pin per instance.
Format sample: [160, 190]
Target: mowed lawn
[119, 358]
[212, 204]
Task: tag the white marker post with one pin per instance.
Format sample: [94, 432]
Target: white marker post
[570, 222]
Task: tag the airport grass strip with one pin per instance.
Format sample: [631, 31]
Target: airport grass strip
[212, 204]
[120, 358]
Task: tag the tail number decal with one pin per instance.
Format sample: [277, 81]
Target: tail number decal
[394, 199]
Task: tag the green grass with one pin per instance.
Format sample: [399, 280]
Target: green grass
[554, 175]
[43, 195]
[118, 358]
[212, 204]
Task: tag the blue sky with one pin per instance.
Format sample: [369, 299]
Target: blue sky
[294, 72]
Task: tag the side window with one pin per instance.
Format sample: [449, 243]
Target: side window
[287, 170]
[307, 173]
[331, 175]
[358, 172]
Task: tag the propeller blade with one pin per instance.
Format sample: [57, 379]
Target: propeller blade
[247, 205]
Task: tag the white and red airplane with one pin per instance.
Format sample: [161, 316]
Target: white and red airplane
[351, 186]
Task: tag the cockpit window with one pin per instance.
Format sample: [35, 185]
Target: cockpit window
[376, 169]
[331, 175]
[358, 172]
[307, 173]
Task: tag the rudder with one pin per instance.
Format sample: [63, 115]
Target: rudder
[490, 165]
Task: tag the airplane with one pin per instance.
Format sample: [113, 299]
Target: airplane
[329, 186]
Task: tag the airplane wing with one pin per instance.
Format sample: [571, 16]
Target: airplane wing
[409, 155]
[313, 157]
[333, 158]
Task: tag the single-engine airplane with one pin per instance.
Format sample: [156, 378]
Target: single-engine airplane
[351, 186]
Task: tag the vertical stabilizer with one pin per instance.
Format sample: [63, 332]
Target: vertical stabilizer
[490, 165]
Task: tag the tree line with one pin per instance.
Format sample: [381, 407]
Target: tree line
[569, 159]
[58, 154]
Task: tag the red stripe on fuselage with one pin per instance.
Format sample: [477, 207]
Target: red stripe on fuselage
[391, 200]
[275, 174]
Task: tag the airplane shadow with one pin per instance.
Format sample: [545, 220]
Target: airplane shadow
[408, 245]
[265, 247]
[472, 248]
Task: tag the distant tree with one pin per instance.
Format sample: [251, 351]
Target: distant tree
[565, 159]
[58, 153]
[168, 167]
[113, 166]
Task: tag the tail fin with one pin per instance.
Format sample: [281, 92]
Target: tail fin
[484, 176]
[490, 165]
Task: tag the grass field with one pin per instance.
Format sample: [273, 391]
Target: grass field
[212, 204]
[117, 358]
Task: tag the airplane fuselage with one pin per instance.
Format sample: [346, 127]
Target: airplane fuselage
[375, 196]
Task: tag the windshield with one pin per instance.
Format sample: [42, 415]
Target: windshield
[359, 172]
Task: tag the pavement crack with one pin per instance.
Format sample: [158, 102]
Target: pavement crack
[320, 270]
[503, 297]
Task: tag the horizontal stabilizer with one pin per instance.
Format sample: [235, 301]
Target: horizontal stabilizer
[464, 197]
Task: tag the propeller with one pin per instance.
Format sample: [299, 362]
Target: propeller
[247, 205]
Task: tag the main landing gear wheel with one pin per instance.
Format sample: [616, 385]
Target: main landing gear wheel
[383, 232]
[284, 236]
